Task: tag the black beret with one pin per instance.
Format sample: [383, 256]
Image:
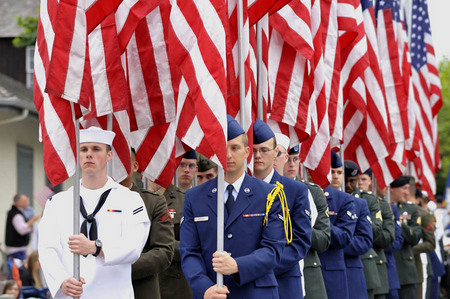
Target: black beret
[294, 150]
[400, 181]
[351, 169]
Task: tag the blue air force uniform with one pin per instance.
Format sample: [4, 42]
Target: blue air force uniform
[256, 248]
[342, 227]
[361, 242]
[394, 283]
[288, 271]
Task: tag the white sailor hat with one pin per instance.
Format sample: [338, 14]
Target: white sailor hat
[97, 135]
[282, 140]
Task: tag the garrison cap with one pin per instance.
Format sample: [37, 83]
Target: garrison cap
[234, 129]
[261, 132]
[294, 150]
[282, 140]
[190, 155]
[97, 135]
[351, 169]
[204, 163]
[335, 160]
[400, 181]
[368, 172]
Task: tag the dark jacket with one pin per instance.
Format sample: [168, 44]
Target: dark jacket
[172, 282]
[12, 236]
[158, 250]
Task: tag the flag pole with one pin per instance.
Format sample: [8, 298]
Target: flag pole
[374, 184]
[341, 153]
[220, 219]
[241, 59]
[109, 127]
[304, 173]
[259, 69]
[76, 197]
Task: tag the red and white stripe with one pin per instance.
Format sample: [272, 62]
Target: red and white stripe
[152, 76]
[198, 45]
[290, 52]
[315, 151]
[57, 129]
[375, 145]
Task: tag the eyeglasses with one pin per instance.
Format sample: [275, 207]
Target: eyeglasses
[281, 153]
[262, 151]
[184, 165]
[293, 160]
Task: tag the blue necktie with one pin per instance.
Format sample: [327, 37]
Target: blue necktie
[230, 200]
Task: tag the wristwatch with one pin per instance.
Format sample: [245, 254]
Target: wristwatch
[98, 244]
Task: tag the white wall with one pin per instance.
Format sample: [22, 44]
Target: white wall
[26, 133]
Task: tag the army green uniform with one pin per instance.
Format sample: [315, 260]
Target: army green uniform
[320, 240]
[428, 245]
[383, 241]
[172, 282]
[158, 250]
[404, 258]
[369, 259]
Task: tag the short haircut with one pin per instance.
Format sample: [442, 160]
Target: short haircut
[108, 148]
[412, 186]
[17, 197]
[274, 142]
[245, 139]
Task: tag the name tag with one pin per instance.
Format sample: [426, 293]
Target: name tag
[199, 219]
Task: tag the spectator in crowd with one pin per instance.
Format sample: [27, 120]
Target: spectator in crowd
[187, 170]
[12, 288]
[18, 228]
[207, 169]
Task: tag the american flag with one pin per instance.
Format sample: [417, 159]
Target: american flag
[198, 44]
[427, 92]
[375, 143]
[57, 128]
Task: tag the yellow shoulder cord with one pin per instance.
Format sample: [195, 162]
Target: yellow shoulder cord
[278, 190]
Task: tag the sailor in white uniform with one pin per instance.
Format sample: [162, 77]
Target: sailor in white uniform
[114, 229]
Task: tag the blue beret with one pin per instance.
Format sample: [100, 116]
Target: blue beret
[234, 129]
[368, 172]
[261, 132]
[190, 155]
[335, 160]
[294, 150]
[351, 169]
[400, 181]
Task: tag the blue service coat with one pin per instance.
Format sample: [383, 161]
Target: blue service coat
[256, 248]
[361, 242]
[288, 270]
[394, 283]
[342, 227]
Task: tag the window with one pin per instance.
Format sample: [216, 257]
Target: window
[29, 66]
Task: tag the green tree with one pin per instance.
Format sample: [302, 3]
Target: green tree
[28, 36]
[444, 125]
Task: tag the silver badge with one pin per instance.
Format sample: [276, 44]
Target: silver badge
[214, 190]
[246, 190]
[181, 221]
[327, 194]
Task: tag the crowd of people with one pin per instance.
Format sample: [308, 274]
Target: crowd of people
[284, 236]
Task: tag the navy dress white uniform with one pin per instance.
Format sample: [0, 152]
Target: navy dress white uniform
[287, 271]
[123, 227]
[342, 227]
[256, 248]
[361, 242]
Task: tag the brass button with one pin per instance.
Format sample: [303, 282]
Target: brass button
[410, 257]
[371, 256]
[315, 264]
[381, 261]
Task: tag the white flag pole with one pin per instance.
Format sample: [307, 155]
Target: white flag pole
[259, 68]
[109, 127]
[341, 154]
[220, 218]
[76, 196]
